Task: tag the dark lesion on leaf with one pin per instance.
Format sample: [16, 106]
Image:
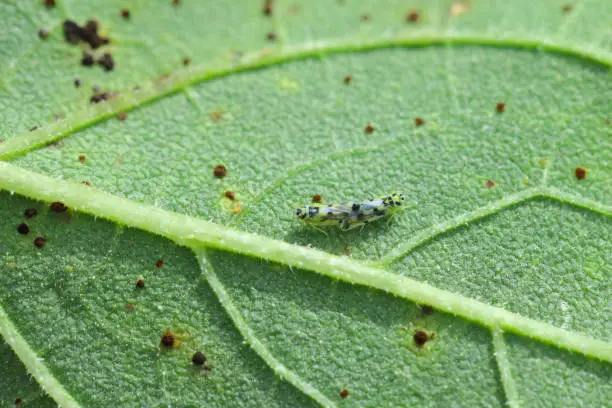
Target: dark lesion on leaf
[421, 337]
[73, 33]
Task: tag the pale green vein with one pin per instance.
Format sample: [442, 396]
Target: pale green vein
[427, 234]
[35, 365]
[499, 347]
[247, 333]
[179, 80]
[191, 98]
[575, 200]
[450, 78]
[430, 233]
[196, 233]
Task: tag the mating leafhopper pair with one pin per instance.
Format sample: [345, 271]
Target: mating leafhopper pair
[351, 215]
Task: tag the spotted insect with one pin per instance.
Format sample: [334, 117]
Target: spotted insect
[351, 215]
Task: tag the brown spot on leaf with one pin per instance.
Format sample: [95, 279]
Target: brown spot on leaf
[271, 36]
[268, 8]
[140, 283]
[490, 184]
[420, 338]
[413, 16]
[58, 207]
[168, 339]
[82, 158]
[230, 194]
[102, 96]
[122, 116]
[198, 358]
[348, 79]
[567, 8]
[317, 198]
[186, 61]
[43, 33]
[159, 263]
[88, 59]
[30, 212]
[107, 61]
[220, 171]
[125, 13]
[39, 242]
[500, 107]
[23, 228]
[49, 3]
[216, 115]
[419, 121]
[581, 173]
[73, 33]
[369, 129]
[344, 393]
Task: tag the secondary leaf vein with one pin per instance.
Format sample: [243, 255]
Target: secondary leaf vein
[254, 342]
[181, 79]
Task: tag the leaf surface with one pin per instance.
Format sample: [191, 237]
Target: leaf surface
[500, 237]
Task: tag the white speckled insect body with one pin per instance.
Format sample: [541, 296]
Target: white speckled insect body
[351, 215]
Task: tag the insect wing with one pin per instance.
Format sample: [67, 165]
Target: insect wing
[333, 214]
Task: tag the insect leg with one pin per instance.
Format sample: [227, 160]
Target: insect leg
[345, 225]
[317, 228]
[391, 217]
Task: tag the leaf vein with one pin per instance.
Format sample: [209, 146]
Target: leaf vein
[195, 233]
[246, 332]
[35, 365]
[426, 235]
[501, 356]
[179, 80]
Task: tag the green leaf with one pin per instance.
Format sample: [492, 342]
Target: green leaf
[501, 238]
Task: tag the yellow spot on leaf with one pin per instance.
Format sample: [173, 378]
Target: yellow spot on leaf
[459, 7]
[287, 83]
